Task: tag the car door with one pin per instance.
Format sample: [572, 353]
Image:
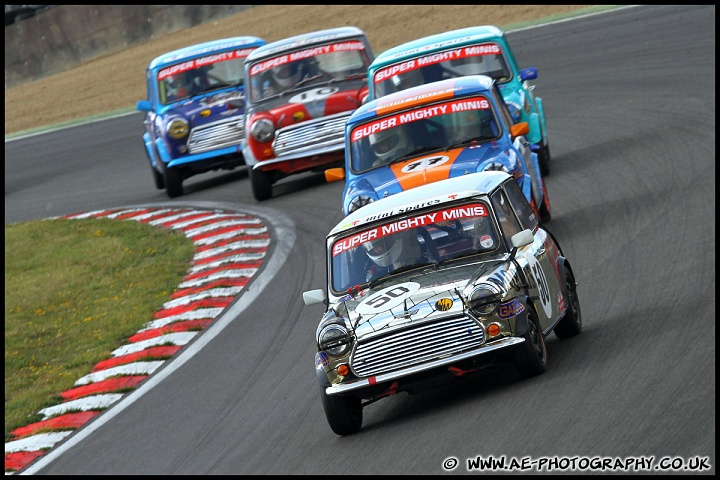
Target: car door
[537, 260]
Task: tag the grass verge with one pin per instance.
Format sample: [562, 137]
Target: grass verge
[75, 290]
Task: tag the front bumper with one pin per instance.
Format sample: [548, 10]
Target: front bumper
[371, 382]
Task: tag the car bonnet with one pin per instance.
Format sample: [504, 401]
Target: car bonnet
[416, 297]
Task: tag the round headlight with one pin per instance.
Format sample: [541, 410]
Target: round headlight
[335, 339]
[496, 167]
[484, 300]
[262, 130]
[359, 201]
[178, 128]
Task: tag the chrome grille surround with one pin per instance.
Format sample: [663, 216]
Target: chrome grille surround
[224, 133]
[311, 135]
[416, 344]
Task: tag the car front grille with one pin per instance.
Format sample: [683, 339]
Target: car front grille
[416, 344]
[216, 135]
[312, 135]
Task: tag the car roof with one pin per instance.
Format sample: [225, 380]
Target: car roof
[431, 194]
[292, 43]
[440, 41]
[443, 89]
[201, 49]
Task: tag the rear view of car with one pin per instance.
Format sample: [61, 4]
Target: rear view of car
[300, 92]
[482, 50]
[194, 111]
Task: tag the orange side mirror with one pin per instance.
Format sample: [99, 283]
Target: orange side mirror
[334, 174]
[518, 129]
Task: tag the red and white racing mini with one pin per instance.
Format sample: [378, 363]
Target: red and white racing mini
[299, 93]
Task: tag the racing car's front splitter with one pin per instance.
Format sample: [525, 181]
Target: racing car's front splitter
[405, 372]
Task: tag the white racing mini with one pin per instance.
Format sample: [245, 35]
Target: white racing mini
[435, 283]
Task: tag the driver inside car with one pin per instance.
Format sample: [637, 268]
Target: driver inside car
[388, 145]
[186, 84]
[391, 252]
[285, 76]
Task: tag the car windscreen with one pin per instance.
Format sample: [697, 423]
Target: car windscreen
[483, 59]
[424, 238]
[192, 77]
[314, 65]
[396, 137]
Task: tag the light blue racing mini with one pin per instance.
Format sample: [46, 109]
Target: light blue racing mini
[480, 50]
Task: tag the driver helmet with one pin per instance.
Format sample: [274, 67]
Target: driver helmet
[388, 144]
[286, 75]
[405, 80]
[180, 80]
[401, 248]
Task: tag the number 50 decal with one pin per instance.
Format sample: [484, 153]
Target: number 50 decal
[542, 284]
[387, 298]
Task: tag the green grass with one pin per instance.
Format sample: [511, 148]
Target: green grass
[75, 290]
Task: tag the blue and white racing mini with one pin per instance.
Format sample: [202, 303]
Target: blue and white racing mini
[195, 110]
[432, 132]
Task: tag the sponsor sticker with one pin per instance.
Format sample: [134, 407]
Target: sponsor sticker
[321, 360]
[392, 121]
[454, 213]
[510, 309]
[444, 304]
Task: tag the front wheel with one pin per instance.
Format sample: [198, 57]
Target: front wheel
[531, 356]
[173, 181]
[571, 323]
[261, 184]
[157, 178]
[343, 413]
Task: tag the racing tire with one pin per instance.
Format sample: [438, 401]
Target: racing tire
[571, 323]
[530, 357]
[544, 210]
[261, 184]
[343, 413]
[173, 181]
[157, 178]
[544, 159]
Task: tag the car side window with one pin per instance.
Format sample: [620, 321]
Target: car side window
[522, 208]
[508, 222]
[504, 111]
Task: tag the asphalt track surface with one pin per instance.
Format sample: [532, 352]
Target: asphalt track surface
[630, 101]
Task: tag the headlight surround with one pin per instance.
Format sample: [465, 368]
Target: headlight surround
[359, 201]
[335, 339]
[262, 130]
[177, 128]
[496, 167]
[484, 299]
